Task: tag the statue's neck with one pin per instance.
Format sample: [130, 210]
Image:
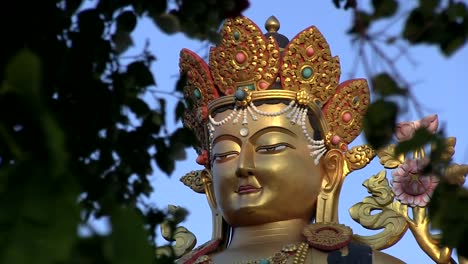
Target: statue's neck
[282, 232]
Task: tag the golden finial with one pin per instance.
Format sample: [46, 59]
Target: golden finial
[272, 24]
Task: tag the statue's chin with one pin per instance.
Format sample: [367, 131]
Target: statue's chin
[258, 215]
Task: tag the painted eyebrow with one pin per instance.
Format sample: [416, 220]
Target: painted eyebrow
[269, 129]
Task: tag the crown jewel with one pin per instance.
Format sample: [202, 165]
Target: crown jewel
[248, 66]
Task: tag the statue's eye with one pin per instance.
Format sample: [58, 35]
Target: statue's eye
[273, 148]
[220, 157]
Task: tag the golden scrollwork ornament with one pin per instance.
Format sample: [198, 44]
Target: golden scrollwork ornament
[410, 190]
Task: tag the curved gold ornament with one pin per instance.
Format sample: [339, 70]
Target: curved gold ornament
[358, 157]
[419, 226]
[388, 158]
[391, 216]
[194, 181]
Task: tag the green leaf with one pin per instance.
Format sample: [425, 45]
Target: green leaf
[428, 6]
[337, 3]
[39, 216]
[385, 8]
[385, 85]
[141, 74]
[413, 25]
[90, 23]
[156, 8]
[447, 210]
[122, 41]
[54, 138]
[138, 106]
[92, 250]
[457, 11]
[181, 83]
[129, 238]
[452, 45]
[184, 136]
[177, 151]
[24, 74]
[179, 111]
[162, 110]
[179, 140]
[379, 123]
[361, 22]
[168, 23]
[126, 21]
[163, 160]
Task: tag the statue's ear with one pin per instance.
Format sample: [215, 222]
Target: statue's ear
[207, 180]
[221, 229]
[331, 166]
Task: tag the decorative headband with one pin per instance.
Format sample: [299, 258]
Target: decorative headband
[248, 66]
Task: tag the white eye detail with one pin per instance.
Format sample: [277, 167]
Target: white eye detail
[272, 148]
[225, 156]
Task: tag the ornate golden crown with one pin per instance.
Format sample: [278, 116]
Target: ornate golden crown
[248, 66]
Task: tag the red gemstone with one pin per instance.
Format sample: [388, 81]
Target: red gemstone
[240, 57]
[346, 117]
[263, 85]
[309, 51]
[335, 139]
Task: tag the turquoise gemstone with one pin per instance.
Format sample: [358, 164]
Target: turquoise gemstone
[318, 103]
[251, 87]
[197, 93]
[355, 100]
[240, 94]
[264, 261]
[306, 72]
[236, 35]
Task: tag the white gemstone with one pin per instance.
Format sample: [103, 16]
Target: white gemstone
[244, 131]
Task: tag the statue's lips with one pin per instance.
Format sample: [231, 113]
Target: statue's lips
[243, 189]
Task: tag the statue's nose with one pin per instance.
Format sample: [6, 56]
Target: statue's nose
[245, 163]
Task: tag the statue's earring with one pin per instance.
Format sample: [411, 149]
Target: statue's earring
[332, 180]
[207, 182]
[220, 227]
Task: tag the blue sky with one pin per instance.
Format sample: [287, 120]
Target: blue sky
[438, 83]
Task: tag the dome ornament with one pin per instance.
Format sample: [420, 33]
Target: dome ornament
[272, 25]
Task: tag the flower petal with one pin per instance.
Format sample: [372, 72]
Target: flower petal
[430, 122]
[420, 200]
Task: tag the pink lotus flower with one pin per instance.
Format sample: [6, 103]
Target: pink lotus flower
[405, 130]
[410, 186]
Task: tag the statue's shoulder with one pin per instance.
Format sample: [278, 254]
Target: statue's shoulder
[203, 249]
[381, 257]
[357, 253]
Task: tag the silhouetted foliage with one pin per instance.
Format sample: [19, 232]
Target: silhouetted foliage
[77, 140]
[443, 24]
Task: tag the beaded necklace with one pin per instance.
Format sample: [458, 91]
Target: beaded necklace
[298, 250]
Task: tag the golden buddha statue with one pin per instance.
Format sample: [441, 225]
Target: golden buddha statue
[274, 124]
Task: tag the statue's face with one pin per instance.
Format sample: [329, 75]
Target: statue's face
[267, 175]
